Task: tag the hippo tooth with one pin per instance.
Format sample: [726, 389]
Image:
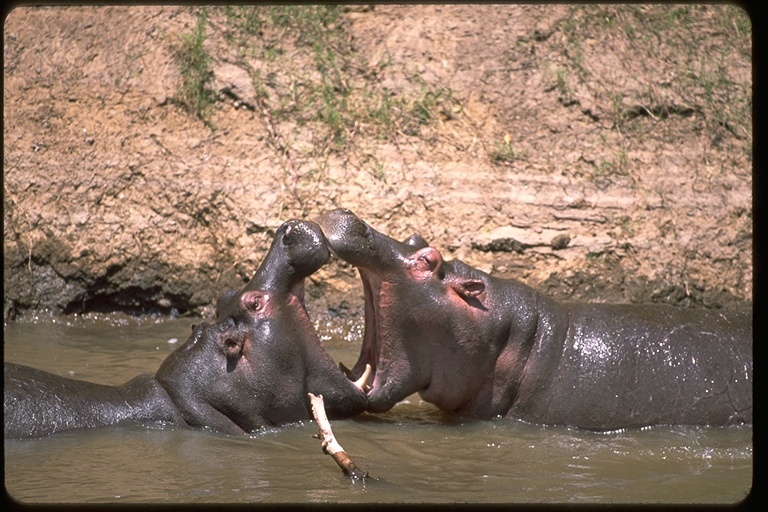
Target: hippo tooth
[362, 382]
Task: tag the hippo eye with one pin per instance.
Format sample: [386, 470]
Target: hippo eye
[429, 263]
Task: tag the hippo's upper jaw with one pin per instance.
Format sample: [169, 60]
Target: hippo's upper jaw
[297, 251]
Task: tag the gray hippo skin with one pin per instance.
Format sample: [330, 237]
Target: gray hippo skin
[251, 368]
[269, 355]
[38, 403]
[481, 346]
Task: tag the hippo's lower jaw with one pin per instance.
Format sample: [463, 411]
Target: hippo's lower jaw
[361, 382]
[377, 399]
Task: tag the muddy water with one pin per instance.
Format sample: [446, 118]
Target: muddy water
[414, 453]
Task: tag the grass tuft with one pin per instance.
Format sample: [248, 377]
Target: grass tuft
[195, 95]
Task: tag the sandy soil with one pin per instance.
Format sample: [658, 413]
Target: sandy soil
[593, 152]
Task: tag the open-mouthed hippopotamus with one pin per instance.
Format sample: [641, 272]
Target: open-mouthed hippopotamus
[269, 355]
[482, 346]
[253, 367]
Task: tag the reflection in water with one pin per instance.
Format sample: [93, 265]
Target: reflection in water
[415, 452]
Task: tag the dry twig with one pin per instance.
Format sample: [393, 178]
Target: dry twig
[328, 440]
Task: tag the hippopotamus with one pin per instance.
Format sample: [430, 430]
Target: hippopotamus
[251, 368]
[480, 346]
[269, 356]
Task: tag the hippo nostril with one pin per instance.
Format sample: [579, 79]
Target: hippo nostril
[361, 231]
[289, 235]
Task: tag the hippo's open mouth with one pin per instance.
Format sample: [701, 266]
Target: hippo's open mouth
[375, 255]
[367, 371]
[365, 367]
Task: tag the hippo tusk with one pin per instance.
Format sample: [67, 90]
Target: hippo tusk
[362, 382]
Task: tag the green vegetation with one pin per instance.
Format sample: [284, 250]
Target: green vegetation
[503, 151]
[195, 95]
[695, 78]
[310, 76]
[317, 96]
[322, 97]
[681, 71]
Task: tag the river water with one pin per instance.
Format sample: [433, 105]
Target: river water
[414, 454]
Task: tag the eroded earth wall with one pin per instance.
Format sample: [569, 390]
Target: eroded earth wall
[594, 152]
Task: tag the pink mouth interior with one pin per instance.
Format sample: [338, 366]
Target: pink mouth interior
[370, 336]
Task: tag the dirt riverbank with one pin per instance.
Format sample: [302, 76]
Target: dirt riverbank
[594, 152]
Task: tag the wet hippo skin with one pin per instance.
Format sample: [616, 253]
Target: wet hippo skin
[39, 403]
[251, 368]
[270, 356]
[481, 346]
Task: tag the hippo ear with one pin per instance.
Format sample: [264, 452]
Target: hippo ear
[253, 301]
[231, 346]
[416, 241]
[468, 288]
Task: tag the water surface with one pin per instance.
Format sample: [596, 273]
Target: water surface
[415, 454]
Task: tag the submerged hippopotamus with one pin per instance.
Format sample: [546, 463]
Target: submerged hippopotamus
[38, 403]
[482, 346]
[253, 367]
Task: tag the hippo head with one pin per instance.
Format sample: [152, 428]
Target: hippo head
[255, 365]
[426, 327]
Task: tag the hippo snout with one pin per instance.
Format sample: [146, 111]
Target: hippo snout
[343, 229]
[304, 243]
